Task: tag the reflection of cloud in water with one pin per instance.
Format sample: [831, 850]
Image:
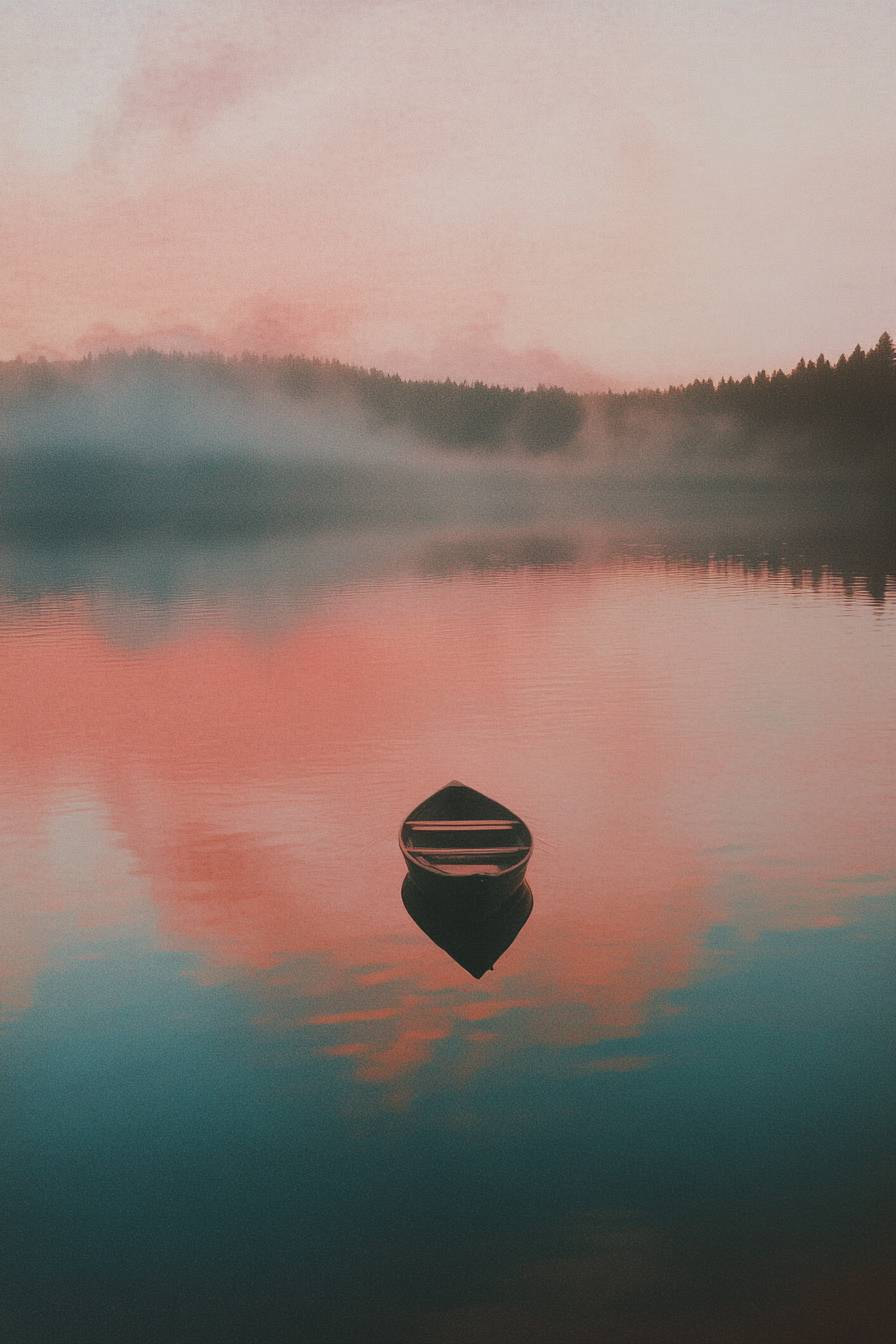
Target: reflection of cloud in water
[247, 791]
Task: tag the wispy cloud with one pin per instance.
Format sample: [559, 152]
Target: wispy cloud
[481, 350]
[658, 195]
[320, 323]
[178, 94]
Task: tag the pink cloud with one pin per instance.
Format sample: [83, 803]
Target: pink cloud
[206, 153]
[325, 324]
[175, 91]
[263, 325]
[478, 351]
[103, 336]
[271, 326]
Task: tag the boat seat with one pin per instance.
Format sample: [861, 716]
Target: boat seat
[467, 852]
[462, 825]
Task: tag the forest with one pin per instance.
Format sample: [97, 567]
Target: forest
[821, 415]
[831, 417]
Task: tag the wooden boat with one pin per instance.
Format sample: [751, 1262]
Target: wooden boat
[473, 941]
[465, 847]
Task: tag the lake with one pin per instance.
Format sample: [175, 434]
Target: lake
[246, 1098]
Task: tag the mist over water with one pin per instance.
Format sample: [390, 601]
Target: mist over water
[607, 533]
[141, 448]
[148, 440]
[239, 640]
[264, 1095]
[264, 563]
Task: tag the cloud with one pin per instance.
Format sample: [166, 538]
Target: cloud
[479, 351]
[272, 326]
[101, 337]
[192, 68]
[262, 324]
[324, 322]
[180, 96]
[187, 74]
[612, 178]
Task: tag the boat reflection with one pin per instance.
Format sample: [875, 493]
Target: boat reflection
[474, 943]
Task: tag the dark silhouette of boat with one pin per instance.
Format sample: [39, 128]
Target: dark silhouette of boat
[473, 942]
[466, 848]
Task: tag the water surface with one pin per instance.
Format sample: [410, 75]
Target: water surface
[247, 1098]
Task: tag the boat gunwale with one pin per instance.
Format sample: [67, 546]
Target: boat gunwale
[502, 874]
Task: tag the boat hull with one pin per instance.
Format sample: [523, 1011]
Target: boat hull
[475, 943]
[476, 893]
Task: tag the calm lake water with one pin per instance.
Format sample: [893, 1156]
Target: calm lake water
[246, 1098]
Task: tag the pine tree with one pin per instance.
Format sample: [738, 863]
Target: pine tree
[884, 353]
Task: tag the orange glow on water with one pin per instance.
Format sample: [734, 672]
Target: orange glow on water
[243, 799]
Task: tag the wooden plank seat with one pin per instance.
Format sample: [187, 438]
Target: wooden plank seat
[460, 844]
[461, 825]
[468, 852]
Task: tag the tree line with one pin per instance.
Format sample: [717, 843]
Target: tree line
[842, 411]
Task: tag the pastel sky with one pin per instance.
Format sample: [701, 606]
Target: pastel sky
[578, 191]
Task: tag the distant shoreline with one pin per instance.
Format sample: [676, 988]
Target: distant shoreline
[145, 429]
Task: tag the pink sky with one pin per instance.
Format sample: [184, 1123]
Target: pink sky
[574, 191]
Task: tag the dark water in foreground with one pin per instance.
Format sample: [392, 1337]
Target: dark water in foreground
[245, 1098]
